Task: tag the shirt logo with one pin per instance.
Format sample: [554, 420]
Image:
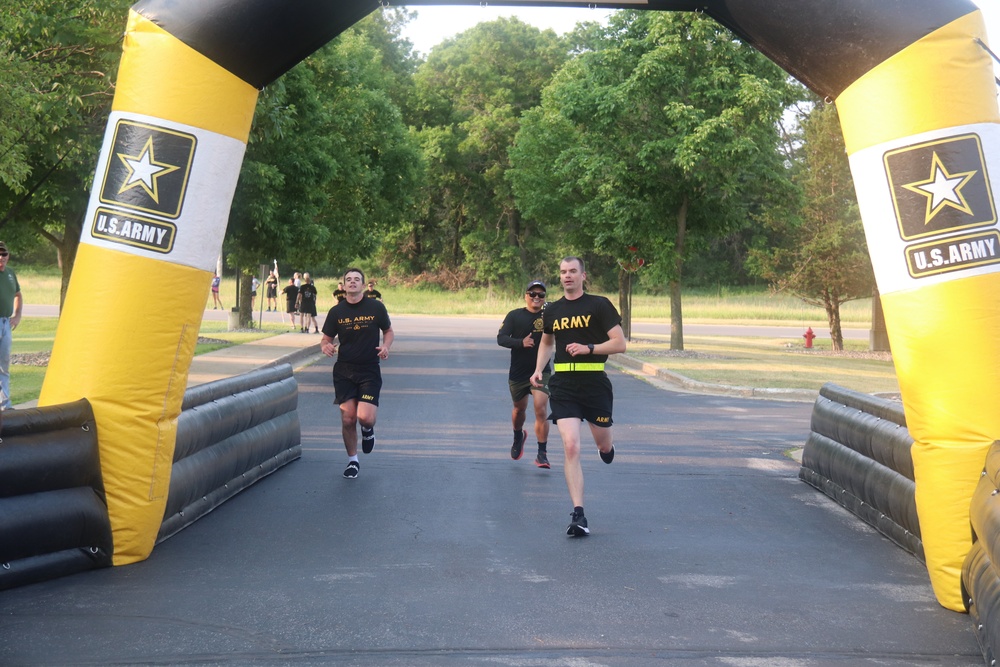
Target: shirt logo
[940, 186]
[148, 168]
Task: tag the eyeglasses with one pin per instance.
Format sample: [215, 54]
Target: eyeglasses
[4, 254]
[536, 295]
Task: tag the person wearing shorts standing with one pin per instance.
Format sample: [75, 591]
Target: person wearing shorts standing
[582, 330]
[356, 324]
[520, 332]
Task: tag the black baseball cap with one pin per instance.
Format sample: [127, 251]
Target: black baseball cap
[535, 283]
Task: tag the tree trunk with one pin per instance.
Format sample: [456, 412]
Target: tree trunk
[878, 338]
[66, 248]
[833, 318]
[625, 301]
[676, 317]
[246, 309]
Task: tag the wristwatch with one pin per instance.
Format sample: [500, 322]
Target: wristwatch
[591, 347]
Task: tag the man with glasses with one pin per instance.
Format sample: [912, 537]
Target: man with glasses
[10, 317]
[582, 329]
[521, 330]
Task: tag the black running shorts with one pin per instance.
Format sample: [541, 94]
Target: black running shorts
[360, 383]
[520, 389]
[584, 395]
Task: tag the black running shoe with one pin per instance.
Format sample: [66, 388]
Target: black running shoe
[367, 440]
[542, 461]
[609, 457]
[577, 525]
[517, 449]
[352, 470]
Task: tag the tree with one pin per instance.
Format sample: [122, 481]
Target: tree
[60, 59]
[823, 258]
[472, 92]
[668, 131]
[329, 166]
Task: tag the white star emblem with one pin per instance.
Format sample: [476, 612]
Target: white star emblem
[144, 170]
[942, 189]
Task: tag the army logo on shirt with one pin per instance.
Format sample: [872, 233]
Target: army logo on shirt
[940, 186]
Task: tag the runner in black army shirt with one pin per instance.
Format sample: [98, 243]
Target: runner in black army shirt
[521, 330]
[357, 379]
[582, 329]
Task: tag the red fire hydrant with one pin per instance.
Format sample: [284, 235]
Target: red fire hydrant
[809, 335]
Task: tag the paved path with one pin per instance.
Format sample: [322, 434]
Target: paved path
[706, 548]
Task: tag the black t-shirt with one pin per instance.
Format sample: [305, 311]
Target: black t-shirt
[358, 326]
[291, 294]
[373, 294]
[308, 294]
[340, 294]
[584, 320]
[518, 324]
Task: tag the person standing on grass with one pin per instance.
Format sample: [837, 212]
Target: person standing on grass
[271, 288]
[216, 281]
[307, 304]
[521, 331]
[582, 329]
[355, 323]
[10, 316]
[291, 293]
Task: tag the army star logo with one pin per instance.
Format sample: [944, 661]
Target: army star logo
[940, 187]
[144, 170]
[148, 168]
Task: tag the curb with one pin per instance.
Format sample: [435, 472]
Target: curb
[297, 358]
[682, 383]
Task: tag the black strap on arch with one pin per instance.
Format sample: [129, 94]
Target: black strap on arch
[825, 44]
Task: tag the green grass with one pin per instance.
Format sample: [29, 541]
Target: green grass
[731, 360]
[778, 363]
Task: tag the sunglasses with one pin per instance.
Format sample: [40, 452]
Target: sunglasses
[536, 295]
[4, 254]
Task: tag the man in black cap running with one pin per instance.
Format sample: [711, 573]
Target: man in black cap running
[521, 330]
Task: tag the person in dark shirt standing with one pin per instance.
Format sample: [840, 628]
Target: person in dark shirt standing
[356, 324]
[307, 304]
[373, 293]
[291, 293]
[582, 329]
[339, 293]
[521, 331]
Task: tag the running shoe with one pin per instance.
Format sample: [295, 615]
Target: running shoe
[542, 461]
[517, 449]
[352, 470]
[367, 440]
[609, 457]
[577, 525]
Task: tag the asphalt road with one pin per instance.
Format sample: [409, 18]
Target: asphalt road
[706, 548]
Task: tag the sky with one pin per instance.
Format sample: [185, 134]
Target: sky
[435, 24]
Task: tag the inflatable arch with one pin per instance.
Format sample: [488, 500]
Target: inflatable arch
[915, 90]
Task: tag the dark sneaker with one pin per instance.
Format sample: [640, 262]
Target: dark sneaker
[517, 449]
[367, 440]
[577, 526]
[352, 470]
[542, 461]
[609, 457]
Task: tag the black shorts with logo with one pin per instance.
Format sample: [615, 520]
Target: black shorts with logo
[361, 383]
[584, 395]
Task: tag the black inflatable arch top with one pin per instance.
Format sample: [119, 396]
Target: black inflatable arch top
[825, 44]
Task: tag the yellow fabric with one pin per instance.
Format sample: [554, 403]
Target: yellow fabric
[942, 80]
[125, 341]
[562, 368]
[943, 336]
[162, 77]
